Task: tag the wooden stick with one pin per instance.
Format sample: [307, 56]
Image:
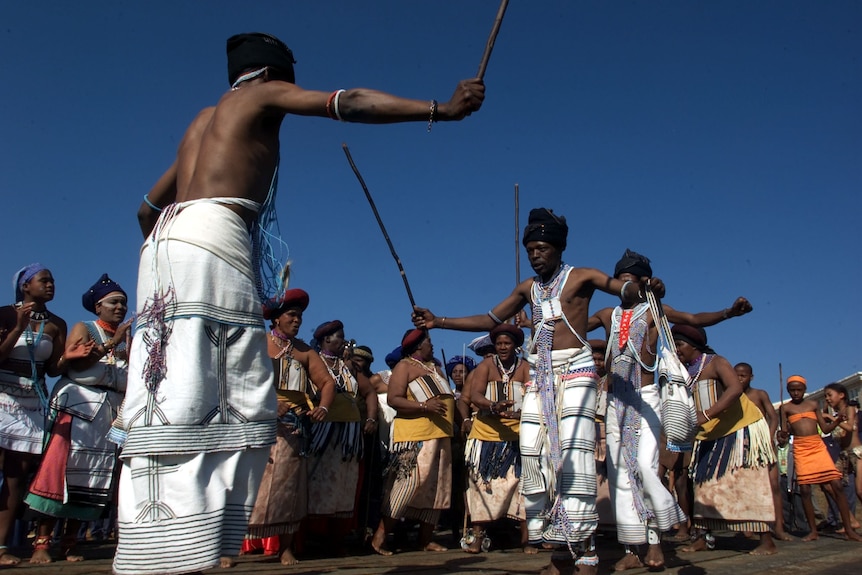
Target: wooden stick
[490, 45]
[517, 240]
[781, 395]
[380, 223]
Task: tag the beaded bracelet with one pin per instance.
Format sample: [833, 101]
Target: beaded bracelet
[432, 118]
[329, 105]
[151, 204]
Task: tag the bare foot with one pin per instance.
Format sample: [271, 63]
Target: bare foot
[7, 558]
[41, 556]
[560, 566]
[811, 536]
[377, 543]
[764, 549]
[226, 562]
[531, 549]
[67, 548]
[782, 535]
[682, 535]
[654, 558]
[698, 544]
[582, 569]
[437, 547]
[287, 557]
[476, 545]
[629, 561]
[853, 536]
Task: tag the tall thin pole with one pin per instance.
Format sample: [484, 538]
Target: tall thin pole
[517, 239]
[780, 393]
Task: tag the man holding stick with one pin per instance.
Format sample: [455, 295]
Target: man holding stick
[557, 435]
[200, 411]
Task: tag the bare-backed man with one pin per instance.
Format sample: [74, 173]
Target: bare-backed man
[200, 408]
[557, 435]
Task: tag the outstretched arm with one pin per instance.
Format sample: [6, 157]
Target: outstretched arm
[424, 319]
[705, 319]
[373, 106]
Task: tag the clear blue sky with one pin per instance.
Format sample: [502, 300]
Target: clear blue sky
[721, 139]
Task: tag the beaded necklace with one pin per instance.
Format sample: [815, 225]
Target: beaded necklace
[284, 343]
[506, 373]
[429, 368]
[39, 315]
[694, 374]
[108, 327]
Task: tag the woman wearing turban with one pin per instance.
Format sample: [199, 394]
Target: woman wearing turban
[32, 340]
[76, 480]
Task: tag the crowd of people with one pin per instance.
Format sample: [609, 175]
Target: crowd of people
[205, 434]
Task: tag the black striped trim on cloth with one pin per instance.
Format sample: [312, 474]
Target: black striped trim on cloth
[185, 439]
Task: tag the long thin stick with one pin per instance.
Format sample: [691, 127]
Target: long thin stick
[517, 241]
[780, 393]
[490, 45]
[380, 223]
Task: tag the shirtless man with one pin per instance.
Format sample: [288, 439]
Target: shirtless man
[560, 360]
[761, 399]
[213, 397]
[800, 418]
[644, 508]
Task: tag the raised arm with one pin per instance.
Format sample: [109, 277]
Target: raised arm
[423, 318]
[705, 319]
[373, 106]
[625, 290]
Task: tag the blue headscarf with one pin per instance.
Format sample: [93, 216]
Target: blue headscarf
[468, 362]
[24, 275]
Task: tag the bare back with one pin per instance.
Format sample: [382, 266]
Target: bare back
[230, 150]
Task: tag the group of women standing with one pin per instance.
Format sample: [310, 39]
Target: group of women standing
[54, 449]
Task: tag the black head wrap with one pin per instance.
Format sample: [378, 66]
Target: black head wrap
[694, 336]
[99, 290]
[633, 263]
[256, 50]
[545, 226]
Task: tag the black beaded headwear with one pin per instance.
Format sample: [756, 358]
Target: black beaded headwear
[544, 225]
[633, 263]
[256, 50]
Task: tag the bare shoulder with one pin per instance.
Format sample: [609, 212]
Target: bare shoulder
[301, 347]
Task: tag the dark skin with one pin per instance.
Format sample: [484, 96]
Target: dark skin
[602, 318]
[730, 389]
[112, 310]
[334, 345]
[761, 399]
[545, 259]
[402, 374]
[287, 324]
[846, 420]
[806, 427]
[231, 149]
[486, 372]
[14, 321]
